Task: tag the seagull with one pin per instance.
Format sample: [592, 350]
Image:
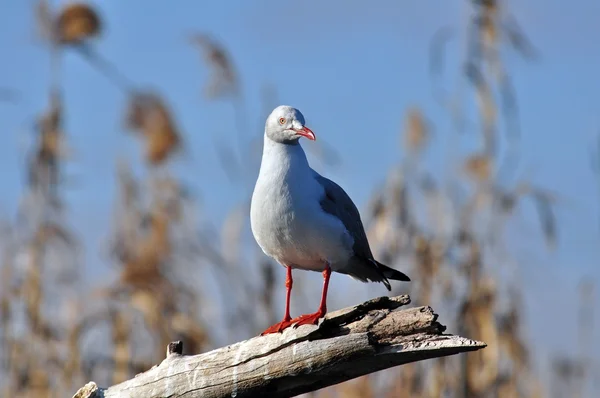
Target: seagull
[306, 221]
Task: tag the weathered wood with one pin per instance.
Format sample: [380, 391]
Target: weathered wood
[348, 343]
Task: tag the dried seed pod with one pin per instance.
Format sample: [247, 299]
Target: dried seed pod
[148, 115]
[223, 80]
[159, 144]
[50, 126]
[77, 22]
[479, 167]
[415, 130]
[43, 166]
[490, 6]
[489, 31]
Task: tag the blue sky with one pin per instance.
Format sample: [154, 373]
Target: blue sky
[351, 67]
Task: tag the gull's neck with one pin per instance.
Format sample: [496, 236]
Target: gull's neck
[282, 157]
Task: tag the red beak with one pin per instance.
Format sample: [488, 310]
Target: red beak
[306, 132]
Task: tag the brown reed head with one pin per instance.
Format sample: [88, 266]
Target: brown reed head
[77, 22]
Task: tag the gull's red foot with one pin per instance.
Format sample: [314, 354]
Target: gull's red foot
[278, 327]
[308, 319]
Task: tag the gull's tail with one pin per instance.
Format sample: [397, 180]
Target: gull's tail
[371, 270]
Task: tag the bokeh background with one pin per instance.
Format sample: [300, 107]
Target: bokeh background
[467, 132]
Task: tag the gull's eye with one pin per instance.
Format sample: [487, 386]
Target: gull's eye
[282, 120]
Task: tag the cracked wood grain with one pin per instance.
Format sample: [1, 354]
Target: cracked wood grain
[348, 343]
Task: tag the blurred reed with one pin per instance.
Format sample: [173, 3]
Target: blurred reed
[176, 276]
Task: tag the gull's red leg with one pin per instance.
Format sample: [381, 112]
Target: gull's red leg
[289, 282]
[279, 327]
[313, 319]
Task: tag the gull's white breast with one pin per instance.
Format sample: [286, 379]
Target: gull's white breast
[286, 217]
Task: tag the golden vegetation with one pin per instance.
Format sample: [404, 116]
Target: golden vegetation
[416, 218]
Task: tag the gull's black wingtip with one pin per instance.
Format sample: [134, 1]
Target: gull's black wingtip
[393, 274]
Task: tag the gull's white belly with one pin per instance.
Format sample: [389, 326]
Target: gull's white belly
[313, 242]
[301, 235]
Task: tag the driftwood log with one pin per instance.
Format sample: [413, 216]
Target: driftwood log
[348, 343]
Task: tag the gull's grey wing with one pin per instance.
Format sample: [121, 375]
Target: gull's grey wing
[362, 265]
[337, 203]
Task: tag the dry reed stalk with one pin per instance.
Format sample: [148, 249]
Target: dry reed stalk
[146, 219]
[38, 351]
[481, 374]
[121, 325]
[147, 253]
[223, 80]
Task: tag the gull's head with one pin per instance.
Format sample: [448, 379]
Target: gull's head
[286, 125]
